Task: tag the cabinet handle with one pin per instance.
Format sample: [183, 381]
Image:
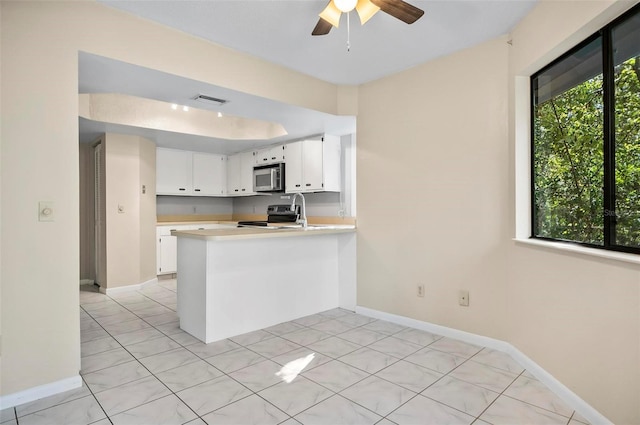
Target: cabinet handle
[243, 190]
[235, 190]
[273, 157]
[265, 159]
[196, 190]
[308, 184]
[297, 185]
[181, 188]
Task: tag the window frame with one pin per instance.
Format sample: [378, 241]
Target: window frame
[609, 130]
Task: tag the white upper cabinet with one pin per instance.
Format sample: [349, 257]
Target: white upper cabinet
[233, 175]
[269, 155]
[246, 173]
[173, 172]
[209, 174]
[240, 174]
[190, 173]
[313, 165]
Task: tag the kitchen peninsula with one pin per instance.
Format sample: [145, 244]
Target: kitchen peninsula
[237, 280]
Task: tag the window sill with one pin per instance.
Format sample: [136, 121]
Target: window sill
[591, 252]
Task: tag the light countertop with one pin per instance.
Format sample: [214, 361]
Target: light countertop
[235, 233]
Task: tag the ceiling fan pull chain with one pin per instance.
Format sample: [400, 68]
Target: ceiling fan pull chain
[348, 33]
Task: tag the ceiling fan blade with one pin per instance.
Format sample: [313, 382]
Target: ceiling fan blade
[322, 27]
[400, 9]
[366, 10]
[331, 14]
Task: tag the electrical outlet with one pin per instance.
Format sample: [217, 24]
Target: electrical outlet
[420, 290]
[45, 211]
[463, 298]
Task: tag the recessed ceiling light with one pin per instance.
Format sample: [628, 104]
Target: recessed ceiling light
[185, 108]
[174, 106]
[219, 114]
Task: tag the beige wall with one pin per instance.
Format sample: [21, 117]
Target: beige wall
[441, 149]
[447, 148]
[40, 157]
[432, 190]
[130, 214]
[576, 316]
[87, 206]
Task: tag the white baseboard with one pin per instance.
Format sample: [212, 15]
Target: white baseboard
[564, 393]
[128, 288]
[86, 281]
[40, 391]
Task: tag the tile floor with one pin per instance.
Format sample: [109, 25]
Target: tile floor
[139, 368]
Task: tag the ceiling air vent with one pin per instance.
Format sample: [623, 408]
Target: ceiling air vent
[210, 100]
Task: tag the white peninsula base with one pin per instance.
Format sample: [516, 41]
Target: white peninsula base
[229, 286]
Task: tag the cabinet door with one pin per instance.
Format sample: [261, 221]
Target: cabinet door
[270, 155]
[168, 254]
[312, 165]
[209, 174]
[331, 164]
[276, 154]
[173, 172]
[293, 167]
[233, 175]
[262, 156]
[247, 162]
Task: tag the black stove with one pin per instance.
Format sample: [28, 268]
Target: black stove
[276, 214]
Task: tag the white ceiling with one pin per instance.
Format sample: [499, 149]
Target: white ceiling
[97, 74]
[279, 31]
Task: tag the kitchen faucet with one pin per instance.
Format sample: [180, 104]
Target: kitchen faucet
[303, 211]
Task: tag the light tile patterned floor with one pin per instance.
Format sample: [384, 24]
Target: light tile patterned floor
[139, 368]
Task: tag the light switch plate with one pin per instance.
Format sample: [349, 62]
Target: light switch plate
[45, 211]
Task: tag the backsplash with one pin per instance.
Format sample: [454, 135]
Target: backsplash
[325, 204]
[193, 205]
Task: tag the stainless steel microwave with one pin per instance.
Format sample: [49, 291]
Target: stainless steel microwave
[268, 178]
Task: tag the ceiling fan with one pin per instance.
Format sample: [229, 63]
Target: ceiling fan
[330, 16]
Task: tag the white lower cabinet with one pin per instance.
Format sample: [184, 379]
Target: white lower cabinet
[167, 245]
[167, 254]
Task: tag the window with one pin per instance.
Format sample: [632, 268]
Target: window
[586, 141]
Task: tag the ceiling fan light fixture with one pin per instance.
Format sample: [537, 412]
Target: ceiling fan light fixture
[345, 6]
[331, 14]
[366, 9]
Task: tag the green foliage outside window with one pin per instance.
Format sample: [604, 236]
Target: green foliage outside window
[569, 161]
[568, 164]
[628, 153]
